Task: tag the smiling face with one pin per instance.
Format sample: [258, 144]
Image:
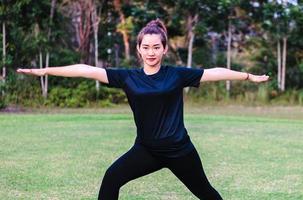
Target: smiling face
[151, 50]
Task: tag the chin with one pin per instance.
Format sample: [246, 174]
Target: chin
[153, 64]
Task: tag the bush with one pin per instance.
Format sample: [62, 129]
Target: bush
[84, 95]
[3, 101]
[300, 97]
[23, 90]
[70, 97]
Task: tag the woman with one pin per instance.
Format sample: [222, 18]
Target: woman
[155, 95]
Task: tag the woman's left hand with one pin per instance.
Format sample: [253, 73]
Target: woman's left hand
[258, 79]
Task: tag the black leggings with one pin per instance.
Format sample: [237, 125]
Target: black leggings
[138, 161]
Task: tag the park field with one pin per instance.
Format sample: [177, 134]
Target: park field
[248, 153]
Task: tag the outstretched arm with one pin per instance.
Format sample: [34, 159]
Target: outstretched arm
[77, 70]
[221, 74]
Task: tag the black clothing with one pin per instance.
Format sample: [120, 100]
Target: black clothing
[157, 104]
[162, 140]
[138, 161]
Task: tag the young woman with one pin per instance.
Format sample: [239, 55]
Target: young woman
[155, 95]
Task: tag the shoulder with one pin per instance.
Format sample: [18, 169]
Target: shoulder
[123, 70]
[172, 68]
[180, 69]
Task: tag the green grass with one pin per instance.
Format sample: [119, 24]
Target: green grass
[64, 156]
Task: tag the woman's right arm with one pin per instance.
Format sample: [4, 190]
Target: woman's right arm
[77, 70]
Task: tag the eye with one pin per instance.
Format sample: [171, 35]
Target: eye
[145, 48]
[157, 48]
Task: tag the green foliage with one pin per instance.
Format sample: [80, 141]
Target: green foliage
[23, 90]
[209, 92]
[3, 101]
[127, 27]
[83, 95]
[300, 97]
[244, 94]
[28, 24]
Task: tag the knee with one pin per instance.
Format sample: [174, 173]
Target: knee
[112, 178]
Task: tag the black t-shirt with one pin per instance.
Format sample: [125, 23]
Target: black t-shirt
[157, 104]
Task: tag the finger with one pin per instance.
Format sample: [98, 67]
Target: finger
[265, 77]
[24, 70]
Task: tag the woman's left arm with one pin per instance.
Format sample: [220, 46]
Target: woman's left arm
[223, 74]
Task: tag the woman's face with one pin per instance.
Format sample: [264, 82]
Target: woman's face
[151, 50]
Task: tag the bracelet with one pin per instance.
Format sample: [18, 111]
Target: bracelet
[247, 78]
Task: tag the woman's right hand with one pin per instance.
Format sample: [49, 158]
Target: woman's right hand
[35, 72]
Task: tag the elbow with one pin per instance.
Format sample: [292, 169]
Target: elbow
[213, 74]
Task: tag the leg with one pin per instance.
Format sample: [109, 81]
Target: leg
[189, 170]
[135, 163]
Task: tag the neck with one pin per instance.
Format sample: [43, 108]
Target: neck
[151, 70]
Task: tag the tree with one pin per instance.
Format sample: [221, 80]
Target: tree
[44, 80]
[279, 22]
[231, 10]
[124, 27]
[3, 51]
[95, 22]
[80, 13]
[4, 15]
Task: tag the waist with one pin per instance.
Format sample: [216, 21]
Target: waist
[167, 147]
[168, 142]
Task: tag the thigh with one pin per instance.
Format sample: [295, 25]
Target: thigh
[133, 164]
[189, 170]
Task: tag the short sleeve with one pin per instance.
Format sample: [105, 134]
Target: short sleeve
[190, 76]
[116, 77]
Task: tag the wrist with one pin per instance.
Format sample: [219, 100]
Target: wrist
[44, 71]
[247, 76]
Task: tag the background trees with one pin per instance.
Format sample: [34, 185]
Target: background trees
[256, 36]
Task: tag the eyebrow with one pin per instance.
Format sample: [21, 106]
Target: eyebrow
[153, 45]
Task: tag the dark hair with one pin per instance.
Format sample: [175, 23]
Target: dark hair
[153, 27]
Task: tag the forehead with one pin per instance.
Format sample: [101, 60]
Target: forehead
[151, 39]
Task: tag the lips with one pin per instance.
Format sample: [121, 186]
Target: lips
[151, 59]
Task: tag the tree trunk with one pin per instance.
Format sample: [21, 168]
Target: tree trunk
[190, 49]
[279, 64]
[41, 77]
[191, 37]
[80, 12]
[284, 64]
[117, 60]
[228, 64]
[4, 51]
[214, 48]
[95, 22]
[45, 91]
[117, 5]
[45, 79]
[126, 45]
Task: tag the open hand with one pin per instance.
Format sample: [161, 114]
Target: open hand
[257, 78]
[35, 72]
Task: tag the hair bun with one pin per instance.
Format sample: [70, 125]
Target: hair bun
[159, 24]
[153, 27]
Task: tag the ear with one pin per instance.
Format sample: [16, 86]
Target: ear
[165, 49]
[138, 49]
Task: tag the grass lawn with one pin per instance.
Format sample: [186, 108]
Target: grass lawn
[247, 154]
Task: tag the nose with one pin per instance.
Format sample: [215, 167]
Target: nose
[150, 52]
